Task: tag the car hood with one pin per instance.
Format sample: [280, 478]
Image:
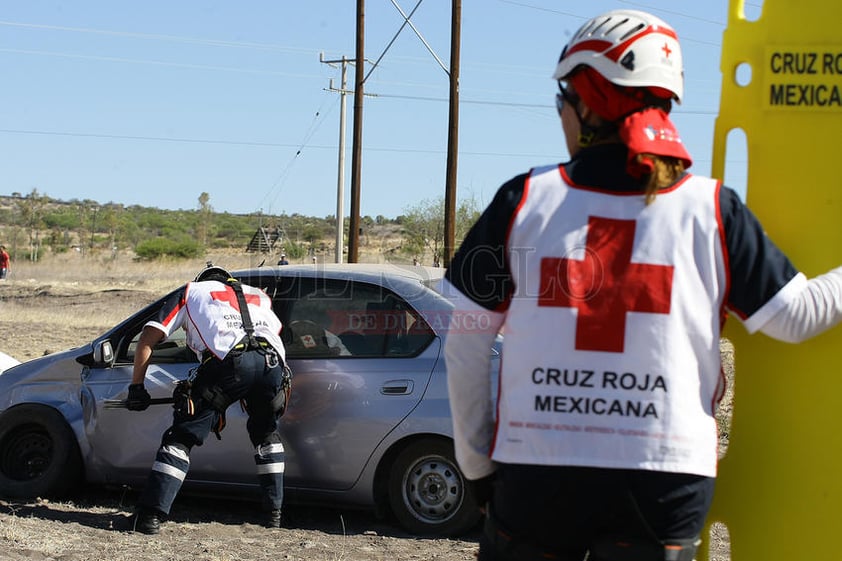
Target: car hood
[36, 380]
[7, 362]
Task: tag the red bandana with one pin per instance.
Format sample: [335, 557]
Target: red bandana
[651, 132]
[645, 130]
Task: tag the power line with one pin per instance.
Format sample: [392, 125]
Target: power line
[308, 135]
[150, 138]
[299, 146]
[283, 145]
[156, 37]
[677, 111]
[542, 9]
[672, 12]
[634, 4]
[155, 63]
[280, 181]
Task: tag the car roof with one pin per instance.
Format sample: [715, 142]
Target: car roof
[373, 272]
[406, 280]
[409, 271]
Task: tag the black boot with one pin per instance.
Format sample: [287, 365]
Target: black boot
[147, 522]
[272, 518]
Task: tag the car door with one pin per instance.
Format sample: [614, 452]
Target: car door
[361, 357]
[124, 442]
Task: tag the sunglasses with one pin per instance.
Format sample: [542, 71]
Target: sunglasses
[565, 96]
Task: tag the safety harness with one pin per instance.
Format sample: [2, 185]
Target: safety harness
[249, 342]
[214, 395]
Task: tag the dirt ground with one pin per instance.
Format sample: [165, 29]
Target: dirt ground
[94, 525]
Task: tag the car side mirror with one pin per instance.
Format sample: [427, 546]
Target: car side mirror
[104, 353]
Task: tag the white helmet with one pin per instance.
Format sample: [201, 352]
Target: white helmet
[628, 48]
[212, 272]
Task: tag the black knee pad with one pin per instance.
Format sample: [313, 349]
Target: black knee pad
[271, 438]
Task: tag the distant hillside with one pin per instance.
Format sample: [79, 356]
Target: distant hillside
[33, 225]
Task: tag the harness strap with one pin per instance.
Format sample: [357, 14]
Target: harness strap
[218, 401]
[280, 402]
[248, 326]
[249, 342]
[214, 396]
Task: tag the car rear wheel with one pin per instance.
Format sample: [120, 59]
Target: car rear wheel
[427, 492]
[39, 456]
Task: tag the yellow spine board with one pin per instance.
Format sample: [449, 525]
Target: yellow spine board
[780, 485]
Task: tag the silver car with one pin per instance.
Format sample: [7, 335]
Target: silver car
[368, 425]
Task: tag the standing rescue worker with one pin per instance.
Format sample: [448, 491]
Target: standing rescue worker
[4, 262]
[235, 334]
[610, 277]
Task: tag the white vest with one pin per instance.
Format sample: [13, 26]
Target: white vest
[611, 355]
[214, 321]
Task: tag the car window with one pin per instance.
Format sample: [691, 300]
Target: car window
[345, 319]
[173, 350]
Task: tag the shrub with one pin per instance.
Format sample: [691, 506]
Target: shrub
[157, 248]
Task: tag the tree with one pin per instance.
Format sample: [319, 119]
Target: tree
[423, 226]
[110, 221]
[467, 213]
[205, 213]
[30, 211]
[93, 210]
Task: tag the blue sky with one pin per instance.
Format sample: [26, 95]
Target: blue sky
[155, 102]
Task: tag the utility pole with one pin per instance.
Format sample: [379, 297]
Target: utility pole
[356, 156]
[356, 161]
[452, 135]
[340, 183]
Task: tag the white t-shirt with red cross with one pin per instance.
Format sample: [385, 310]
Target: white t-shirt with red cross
[210, 314]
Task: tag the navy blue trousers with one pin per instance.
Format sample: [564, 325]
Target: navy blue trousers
[247, 376]
[560, 512]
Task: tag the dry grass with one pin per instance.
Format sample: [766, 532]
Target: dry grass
[99, 271]
[75, 276]
[68, 299]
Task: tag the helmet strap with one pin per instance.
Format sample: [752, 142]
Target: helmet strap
[586, 138]
[589, 133]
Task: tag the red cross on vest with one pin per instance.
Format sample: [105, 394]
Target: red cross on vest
[605, 285]
[228, 295]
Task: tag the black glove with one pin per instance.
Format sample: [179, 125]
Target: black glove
[482, 490]
[138, 399]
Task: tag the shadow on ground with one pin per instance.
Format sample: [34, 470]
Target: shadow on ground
[111, 509]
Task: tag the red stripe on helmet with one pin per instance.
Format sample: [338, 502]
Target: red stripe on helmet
[596, 45]
[614, 53]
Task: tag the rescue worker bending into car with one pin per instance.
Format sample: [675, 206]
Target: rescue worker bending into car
[235, 334]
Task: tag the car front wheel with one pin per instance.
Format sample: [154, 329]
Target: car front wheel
[39, 456]
[427, 492]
